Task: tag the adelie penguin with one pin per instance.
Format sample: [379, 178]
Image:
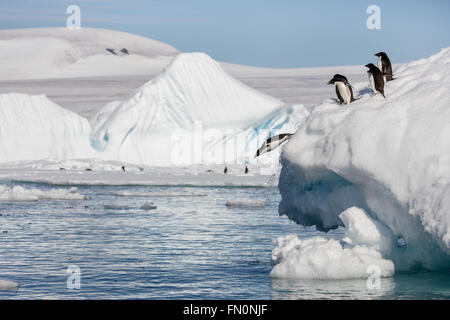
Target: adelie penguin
[384, 64]
[376, 79]
[344, 90]
[272, 143]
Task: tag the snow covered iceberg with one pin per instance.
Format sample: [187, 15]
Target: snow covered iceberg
[33, 128]
[191, 113]
[390, 157]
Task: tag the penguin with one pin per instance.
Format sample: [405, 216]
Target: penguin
[111, 51]
[384, 64]
[376, 79]
[225, 170]
[272, 143]
[123, 168]
[246, 170]
[343, 89]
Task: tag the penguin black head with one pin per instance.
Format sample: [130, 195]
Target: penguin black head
[337, 77]
[285, 135]
[381, 54]
[371, 67]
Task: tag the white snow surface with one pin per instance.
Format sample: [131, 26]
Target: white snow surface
[42, 53]
[21, 194]
[389, 156]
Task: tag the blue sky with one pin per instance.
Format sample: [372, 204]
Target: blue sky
[282, 33]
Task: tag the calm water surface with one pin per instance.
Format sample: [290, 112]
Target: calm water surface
[188, 248]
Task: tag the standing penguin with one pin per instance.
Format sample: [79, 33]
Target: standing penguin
[344, 90]
[376, 79]
[384, 64]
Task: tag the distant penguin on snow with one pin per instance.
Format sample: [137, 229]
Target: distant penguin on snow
[376, 79]
[344, 90]
[384, 64]
[272, 143]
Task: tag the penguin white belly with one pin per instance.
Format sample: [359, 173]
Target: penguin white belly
[372, 83]
[380, 64]
[344, 91]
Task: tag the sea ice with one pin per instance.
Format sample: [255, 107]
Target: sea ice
[21, 194]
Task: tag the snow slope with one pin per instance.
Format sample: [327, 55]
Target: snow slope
[33, 127]
[42, 53]
[191, 113]
[390, 157]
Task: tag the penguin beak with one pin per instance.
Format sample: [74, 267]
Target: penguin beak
[330, 82]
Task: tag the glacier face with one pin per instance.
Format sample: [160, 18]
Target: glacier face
[193, 112]
[390, 157]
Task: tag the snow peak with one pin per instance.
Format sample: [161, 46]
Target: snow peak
[211, 311]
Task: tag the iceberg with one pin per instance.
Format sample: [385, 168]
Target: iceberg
[389, 157]
[193, 112]
[35, 128]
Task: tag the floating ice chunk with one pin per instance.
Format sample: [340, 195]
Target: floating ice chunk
[148, 206]
[320, 258]
[8, 285]
[21, 194]
[246, 203]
